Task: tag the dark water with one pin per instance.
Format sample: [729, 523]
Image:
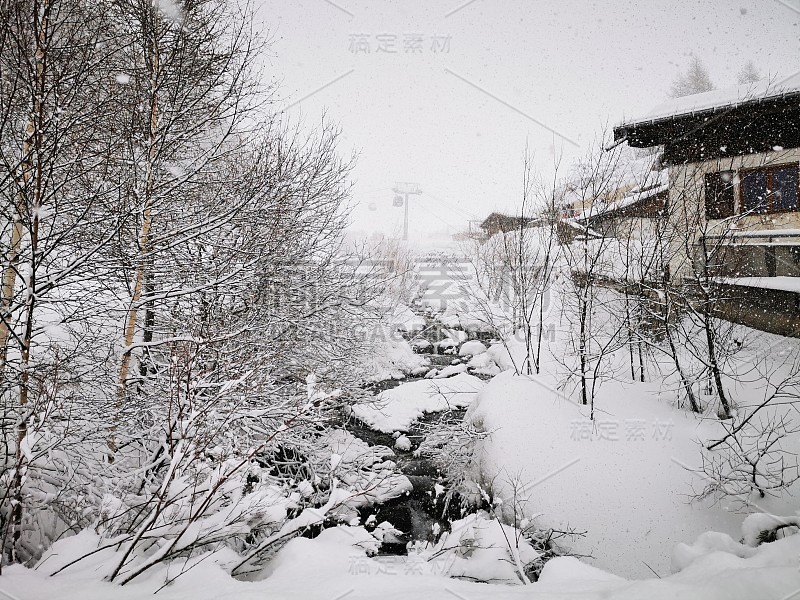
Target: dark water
[431, 506]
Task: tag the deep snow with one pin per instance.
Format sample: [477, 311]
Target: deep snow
[336, 565]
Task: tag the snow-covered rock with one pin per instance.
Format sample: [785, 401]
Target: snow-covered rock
[471, 348]
[451, 370]
[421, 345]
[443, 346]
[387, 533]
[432, 373]
[480, 361]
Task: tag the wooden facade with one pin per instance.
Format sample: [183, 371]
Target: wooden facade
[734, 176]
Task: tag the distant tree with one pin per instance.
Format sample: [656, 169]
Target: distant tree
[694, 81]
[748, 74]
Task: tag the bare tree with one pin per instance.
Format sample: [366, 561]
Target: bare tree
[513, 271]
[667, 311]
[191, 70]
[56, 201]
[587, 301]
[701, 254]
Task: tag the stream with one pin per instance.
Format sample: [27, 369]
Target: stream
[423, 513]
[431, 506]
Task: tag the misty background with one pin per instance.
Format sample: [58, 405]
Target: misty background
[446, 93]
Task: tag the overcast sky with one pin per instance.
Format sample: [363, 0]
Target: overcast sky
[469, 82]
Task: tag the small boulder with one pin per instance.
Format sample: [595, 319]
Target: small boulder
[402, 443]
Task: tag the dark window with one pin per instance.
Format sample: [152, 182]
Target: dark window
[784, 188]
[754, 191]
[771, 189]
[719, 195]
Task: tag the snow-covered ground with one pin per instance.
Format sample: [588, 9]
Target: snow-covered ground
[626, 481]
[336, 565]
[622, 479]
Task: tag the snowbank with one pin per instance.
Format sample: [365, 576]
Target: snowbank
[623, 479]
[398, 408]
[340, 563]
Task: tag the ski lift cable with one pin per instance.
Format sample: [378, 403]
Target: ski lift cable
[374, 191]
[435, 216]
[451, 206]
[464, 212]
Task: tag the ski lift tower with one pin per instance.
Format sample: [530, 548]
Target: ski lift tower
[402, 191]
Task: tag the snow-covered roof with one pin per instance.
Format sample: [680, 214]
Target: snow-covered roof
[638, 180]
[631, 175]
[584, 229]
[720, 99]
[631, 198]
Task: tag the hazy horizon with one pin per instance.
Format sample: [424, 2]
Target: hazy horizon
[468, 86]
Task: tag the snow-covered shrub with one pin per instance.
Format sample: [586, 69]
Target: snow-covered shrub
[483, 549]
[762, 528]
[754, 457]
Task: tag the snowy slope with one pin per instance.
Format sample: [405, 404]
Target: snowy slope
[624, 479]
